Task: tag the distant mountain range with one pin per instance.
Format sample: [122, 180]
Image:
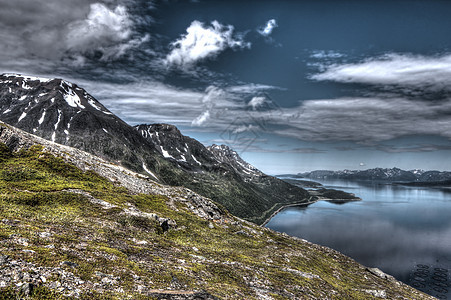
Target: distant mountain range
[63, 112]
[381, 174]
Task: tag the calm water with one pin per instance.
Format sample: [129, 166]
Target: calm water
[404, 231]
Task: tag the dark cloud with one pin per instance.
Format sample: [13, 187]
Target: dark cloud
[54, 33]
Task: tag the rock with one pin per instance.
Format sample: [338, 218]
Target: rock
[28, 251]
[175, 283]
[69, 264]
[242, 232]
[379, 273]
[55, 285]
[377, 293]
[44, 234]
[210, 225]
[3, 259]
[27, 289]
[165, 226]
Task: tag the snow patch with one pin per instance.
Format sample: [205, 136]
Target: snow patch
[105, 130]
[23, 115]
[196, 160]
[70, 96]
[93, 104]
[150, 172]
[66, 132]
[42, 118]
[59, 119]
[53, 136]
[7, 111]
[25, 86]
[22, 98]
[165, 153]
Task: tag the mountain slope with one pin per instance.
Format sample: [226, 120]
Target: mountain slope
[220, 173]
[63, 112]
[73, 225]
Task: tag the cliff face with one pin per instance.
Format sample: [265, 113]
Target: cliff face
[73, 224]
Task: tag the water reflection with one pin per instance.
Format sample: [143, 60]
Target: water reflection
[394, 228]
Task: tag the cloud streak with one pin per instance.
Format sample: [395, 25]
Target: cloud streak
[367, 119]
[414, 71]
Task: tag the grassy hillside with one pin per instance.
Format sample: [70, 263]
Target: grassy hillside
[69, 233]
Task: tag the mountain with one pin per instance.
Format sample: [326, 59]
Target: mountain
[74, 226]
[63, 112]
[220, 173]
[380, 174]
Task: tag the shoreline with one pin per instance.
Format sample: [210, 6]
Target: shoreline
[305, 204]
[285, 206]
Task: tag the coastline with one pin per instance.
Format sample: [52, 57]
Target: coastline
[306, 204]
[285, 206]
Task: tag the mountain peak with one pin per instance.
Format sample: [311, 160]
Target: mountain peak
[49, 89]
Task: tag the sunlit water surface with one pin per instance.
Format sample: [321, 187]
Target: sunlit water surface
[404, 231]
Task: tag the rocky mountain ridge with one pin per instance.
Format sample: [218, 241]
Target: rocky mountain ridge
[76, 226]
[381, 174]
[62, 112]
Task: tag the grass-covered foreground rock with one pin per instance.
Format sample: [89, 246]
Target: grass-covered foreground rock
[72, 225]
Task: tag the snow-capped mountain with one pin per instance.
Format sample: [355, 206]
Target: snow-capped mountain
[187, 152]
[382, 174]
[222, 168]
[63, 112]
[226, 155]
[193, 156]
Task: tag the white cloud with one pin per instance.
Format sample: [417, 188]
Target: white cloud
[321, 54]
[202, 119]
[256, 102]
[251, 88]
[268, 28]
[212, 96]
[202, 42]
[432, 73]
[245, 128]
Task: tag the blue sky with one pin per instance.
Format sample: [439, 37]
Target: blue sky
[291, 85]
